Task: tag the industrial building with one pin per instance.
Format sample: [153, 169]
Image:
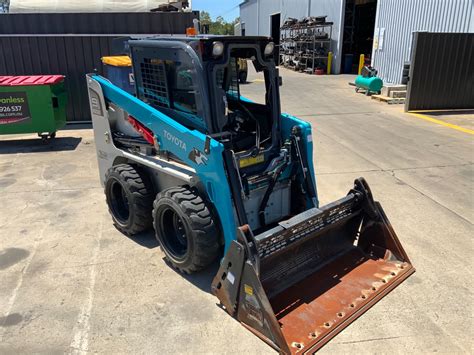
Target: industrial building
[382, 30]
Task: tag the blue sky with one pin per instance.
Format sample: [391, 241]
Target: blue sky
[229, 9]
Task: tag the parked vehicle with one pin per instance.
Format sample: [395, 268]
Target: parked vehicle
[221, 177]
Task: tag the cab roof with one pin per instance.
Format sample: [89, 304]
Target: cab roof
[208, 37]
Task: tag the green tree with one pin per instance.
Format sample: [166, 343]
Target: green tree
[219, 26]
[205, 17]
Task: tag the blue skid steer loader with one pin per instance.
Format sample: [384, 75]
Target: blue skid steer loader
[219, 176]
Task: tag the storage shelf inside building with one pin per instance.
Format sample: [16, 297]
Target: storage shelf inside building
[304, 46]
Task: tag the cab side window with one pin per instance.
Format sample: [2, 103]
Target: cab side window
[182, 88]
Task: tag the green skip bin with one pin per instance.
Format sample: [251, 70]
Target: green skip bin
[32, 104]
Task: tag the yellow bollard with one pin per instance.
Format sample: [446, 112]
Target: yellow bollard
[361, 63]
[328, 71]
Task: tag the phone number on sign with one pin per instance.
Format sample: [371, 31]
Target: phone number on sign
[10, 108]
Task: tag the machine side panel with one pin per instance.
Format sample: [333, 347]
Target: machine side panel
[164, 173]
[187, 145]
[107, 153]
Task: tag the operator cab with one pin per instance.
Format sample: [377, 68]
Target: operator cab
[195, 80]
[243, 123]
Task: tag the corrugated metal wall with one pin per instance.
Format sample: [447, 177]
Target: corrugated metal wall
[267, 8]
[74, 55]
[446, 82]
[295, 8]
[255, 15]
[96, 23]
[400, 18]
[249, 17]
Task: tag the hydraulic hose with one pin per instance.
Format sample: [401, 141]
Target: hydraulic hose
[271, 186]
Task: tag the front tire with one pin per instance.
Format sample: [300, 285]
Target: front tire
[129, 195]
[186, 229]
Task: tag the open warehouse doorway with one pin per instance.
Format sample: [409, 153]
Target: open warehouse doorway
[358, 38]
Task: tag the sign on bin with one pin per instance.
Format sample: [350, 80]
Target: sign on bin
[14, 108]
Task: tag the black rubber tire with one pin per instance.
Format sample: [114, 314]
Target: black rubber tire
[195, 244]
[129, 195]
[242, 77]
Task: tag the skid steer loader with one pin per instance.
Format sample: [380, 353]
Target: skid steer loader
[219, 176]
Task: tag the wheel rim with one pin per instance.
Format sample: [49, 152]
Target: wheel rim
[119, 202]
[174, 234]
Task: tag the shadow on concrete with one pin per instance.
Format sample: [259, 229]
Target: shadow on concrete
[10, 320]
[450, 113]
[201, 279]
[12, 256]
[36, 145]
[145, 239]
[71, 126]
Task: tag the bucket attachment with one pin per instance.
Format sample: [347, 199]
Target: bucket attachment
[299, 284]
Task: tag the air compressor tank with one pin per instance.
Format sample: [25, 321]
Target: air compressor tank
[369, 84]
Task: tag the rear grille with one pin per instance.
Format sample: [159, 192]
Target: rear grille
[154, 88]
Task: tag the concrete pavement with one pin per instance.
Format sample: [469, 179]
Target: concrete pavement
[422, 173]
[72, 283]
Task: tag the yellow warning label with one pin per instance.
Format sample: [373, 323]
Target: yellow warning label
[248, 290]
[244, 162]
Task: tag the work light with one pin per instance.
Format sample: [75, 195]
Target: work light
[217, 49]
[269, 48]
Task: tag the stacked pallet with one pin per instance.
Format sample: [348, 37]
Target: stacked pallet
[392, 94]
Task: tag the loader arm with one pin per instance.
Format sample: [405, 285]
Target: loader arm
[173, 137]
[288, 124]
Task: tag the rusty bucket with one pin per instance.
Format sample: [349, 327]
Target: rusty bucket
[299, 284]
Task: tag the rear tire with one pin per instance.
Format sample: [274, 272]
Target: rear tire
[185, 227]
[243, 77]
[129, 195]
